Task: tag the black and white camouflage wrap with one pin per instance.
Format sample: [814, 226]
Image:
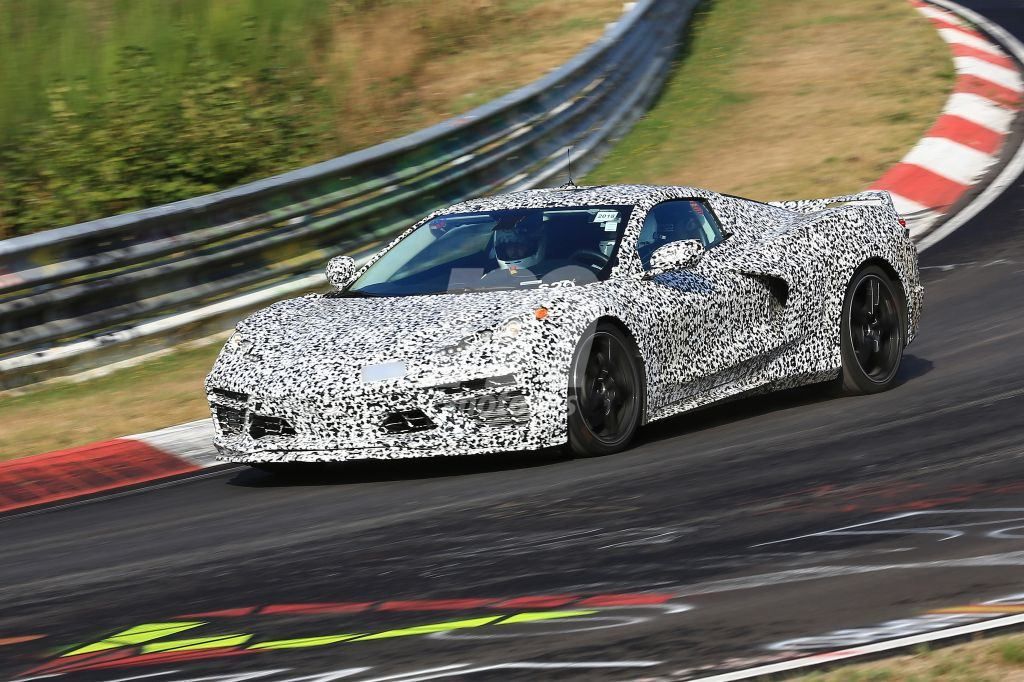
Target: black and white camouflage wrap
[759, 311]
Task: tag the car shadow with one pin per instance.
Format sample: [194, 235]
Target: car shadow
[383, 470]
[758, 404]
[913, 367]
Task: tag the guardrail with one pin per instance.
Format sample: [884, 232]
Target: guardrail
[89, 294]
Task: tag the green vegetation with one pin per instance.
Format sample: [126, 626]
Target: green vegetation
[820, 100]
[1011, 650]
[133, 146]
[108, 106]
[987, 660]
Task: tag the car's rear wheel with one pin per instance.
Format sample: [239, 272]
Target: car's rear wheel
[605, 392]
[872, 332]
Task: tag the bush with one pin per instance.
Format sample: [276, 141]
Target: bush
[134, 146]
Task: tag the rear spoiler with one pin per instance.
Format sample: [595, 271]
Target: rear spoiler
[874, 197]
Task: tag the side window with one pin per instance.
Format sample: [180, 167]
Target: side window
[677, 220]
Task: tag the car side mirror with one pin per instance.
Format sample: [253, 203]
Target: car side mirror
[675, 256]
[340, 271]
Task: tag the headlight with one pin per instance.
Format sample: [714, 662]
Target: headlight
[503, 332]
[238, 343]
[510, 329]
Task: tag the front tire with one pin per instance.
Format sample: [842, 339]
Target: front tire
[873, 331]
[606, 390]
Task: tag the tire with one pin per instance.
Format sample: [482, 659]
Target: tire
[872, 332]
[606, 392]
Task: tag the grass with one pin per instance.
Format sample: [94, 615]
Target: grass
[1000, 659]
[819, 100]
[399, 59]
[814, 102]
[162, 392]
[207, 94]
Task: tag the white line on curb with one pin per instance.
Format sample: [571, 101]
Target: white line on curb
[1000, 75]
[941, 15]
[951, 35]
[950, 159]
[980, 111]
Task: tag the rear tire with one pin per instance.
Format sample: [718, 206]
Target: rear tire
[873, 331]
[606, 392]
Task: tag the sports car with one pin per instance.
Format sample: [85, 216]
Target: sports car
[569, 317]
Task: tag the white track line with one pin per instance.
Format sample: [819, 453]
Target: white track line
[867, 649]
[1013, 169]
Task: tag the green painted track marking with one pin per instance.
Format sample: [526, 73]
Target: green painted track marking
[136, 635]
[303, 642]
[196, 644]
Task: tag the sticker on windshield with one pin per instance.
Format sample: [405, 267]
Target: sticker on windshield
[607, 217]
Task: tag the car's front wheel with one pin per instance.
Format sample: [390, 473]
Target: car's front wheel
[605, 392]
[873, 331]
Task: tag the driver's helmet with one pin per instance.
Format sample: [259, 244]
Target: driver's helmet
[522, 243]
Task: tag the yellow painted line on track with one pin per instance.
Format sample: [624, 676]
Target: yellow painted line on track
[136, 635]
[302, 642]
[531, 617]
[429, 629]
[197, 644]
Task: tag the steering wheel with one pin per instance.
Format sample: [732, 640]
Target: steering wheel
[589, 258]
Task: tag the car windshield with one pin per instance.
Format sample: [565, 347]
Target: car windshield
[503, 249]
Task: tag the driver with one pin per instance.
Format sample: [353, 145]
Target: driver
[521, 246]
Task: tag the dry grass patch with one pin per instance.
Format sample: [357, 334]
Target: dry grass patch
[410, 63]
[819, 100]
[1000, 659]
[165, 391]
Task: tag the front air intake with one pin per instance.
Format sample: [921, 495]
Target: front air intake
[261, 426]
[407, 421]
[231, 420]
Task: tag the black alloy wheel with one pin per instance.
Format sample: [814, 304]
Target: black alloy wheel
[873, 331]
[605, 393]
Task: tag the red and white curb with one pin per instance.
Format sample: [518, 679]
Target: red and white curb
[957, 152]
[105, 466]
[966, 141]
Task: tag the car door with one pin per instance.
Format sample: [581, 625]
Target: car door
[717, 323]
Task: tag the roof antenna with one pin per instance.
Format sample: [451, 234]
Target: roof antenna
[571, 183]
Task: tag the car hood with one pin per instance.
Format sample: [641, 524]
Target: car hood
[364, 330]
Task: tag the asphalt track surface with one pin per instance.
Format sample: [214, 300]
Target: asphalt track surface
[733, 525]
